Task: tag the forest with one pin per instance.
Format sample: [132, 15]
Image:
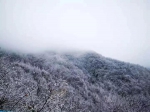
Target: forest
[71, 82]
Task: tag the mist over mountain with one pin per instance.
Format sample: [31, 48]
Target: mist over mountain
[116, 29]
[71, 82]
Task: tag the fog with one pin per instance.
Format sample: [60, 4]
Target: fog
[113, 28]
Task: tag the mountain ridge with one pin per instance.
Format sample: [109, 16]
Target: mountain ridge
[85, 82]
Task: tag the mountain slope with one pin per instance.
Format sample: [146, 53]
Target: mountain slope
[71, 82]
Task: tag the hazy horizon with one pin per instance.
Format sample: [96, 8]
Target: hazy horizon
[115, 29]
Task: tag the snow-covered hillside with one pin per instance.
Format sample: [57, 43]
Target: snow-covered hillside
[71, 82]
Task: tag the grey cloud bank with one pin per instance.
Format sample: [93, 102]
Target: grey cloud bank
[116, 29]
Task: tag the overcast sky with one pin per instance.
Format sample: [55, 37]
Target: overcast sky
[114, 28]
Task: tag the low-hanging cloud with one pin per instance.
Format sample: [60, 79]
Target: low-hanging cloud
[116, 29]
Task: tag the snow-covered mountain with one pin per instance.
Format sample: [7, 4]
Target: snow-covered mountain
[71, 82]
